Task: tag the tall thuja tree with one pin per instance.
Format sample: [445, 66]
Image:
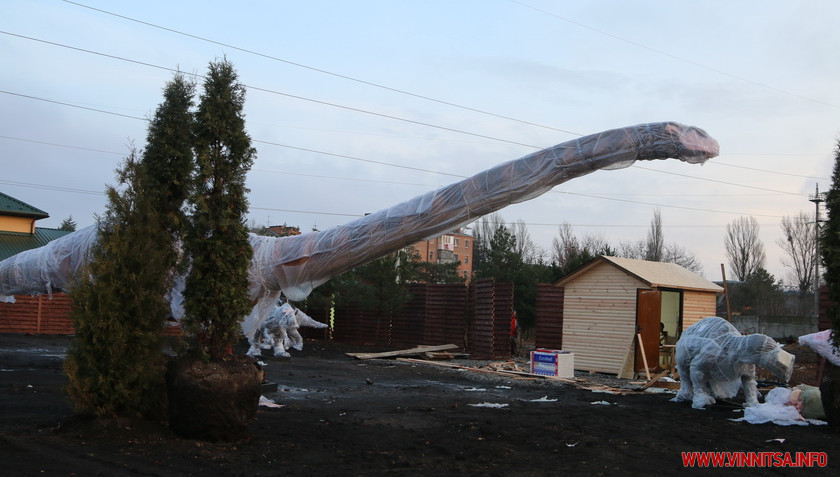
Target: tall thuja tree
[168, 160]
[115, 365]
[830, 247]
[216, 294]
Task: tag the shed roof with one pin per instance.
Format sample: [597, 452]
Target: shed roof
[655, 274]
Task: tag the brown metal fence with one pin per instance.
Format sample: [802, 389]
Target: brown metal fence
[476, 318]
[549, 317]
[37, 315]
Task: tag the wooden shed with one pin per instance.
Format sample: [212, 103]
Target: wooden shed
[610, 300]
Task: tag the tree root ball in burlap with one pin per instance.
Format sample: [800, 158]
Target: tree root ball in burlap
[213, 401]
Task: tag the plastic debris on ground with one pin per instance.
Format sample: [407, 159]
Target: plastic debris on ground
[472, 389]
[778, 409]
[489, 404]
[264, 401]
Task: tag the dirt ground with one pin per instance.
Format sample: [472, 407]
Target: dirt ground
[342, 416]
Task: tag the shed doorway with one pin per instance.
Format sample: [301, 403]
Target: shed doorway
[671, 318]
[658, 321]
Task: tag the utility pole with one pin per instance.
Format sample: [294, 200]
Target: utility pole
[817, 199]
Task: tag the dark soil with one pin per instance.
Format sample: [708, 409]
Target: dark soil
[383, 417]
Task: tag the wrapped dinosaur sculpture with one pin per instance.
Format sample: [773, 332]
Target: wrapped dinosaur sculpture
[716, 361]
[296, 265]
[280, 331]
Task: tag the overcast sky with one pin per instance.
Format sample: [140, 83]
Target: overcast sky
[345, 98]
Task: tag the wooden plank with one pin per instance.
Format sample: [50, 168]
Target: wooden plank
[488, 371]
[403, 352]
[644, 358]
[656, 378]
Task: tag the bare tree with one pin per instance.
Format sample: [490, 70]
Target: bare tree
[628, 249]
[564, 246]
[674, 253]
[568, 252]
[655, 243]
[744, 249]
[799, 245]
[525, 246]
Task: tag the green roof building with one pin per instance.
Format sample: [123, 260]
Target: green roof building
[17, 227]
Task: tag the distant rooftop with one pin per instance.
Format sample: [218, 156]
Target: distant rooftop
[11, 206]
[12, 243]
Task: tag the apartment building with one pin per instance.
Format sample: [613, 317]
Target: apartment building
[450, 247]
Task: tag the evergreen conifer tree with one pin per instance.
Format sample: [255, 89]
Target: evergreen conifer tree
[116, 364]
[830, 247]
[216, 295]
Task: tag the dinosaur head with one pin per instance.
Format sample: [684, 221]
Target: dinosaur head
[674, 140]
[771, 356]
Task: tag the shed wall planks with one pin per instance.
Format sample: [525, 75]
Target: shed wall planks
[599, 318]
[697, 305]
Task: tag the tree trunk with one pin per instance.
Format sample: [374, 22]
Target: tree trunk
[213, 401]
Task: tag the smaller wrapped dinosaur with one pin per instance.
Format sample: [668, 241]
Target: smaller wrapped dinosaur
[280, 331]
[715, 361]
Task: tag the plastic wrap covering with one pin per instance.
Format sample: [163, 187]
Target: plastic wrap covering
[715, 361]
[820, 342]
[298, 264]
[51, 267]
[280, 331]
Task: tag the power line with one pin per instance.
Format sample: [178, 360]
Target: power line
[279, 93]
[60, 145]
[613, 194]
[90, 192]
[675, 57]
[352, 179]
[49, 187]
[358, 159]
[698, 209]
[318, 102]
[323, 71]
[72, 105]
[391, 164]
[306, 212]
[717, 181]
[315, 151]
[718, 163]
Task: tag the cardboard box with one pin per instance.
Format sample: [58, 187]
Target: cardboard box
[553, 362]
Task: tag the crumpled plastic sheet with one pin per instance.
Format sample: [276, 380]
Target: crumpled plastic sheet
[297, 264]
[715, 360]
[820, 342]
[778, 410]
